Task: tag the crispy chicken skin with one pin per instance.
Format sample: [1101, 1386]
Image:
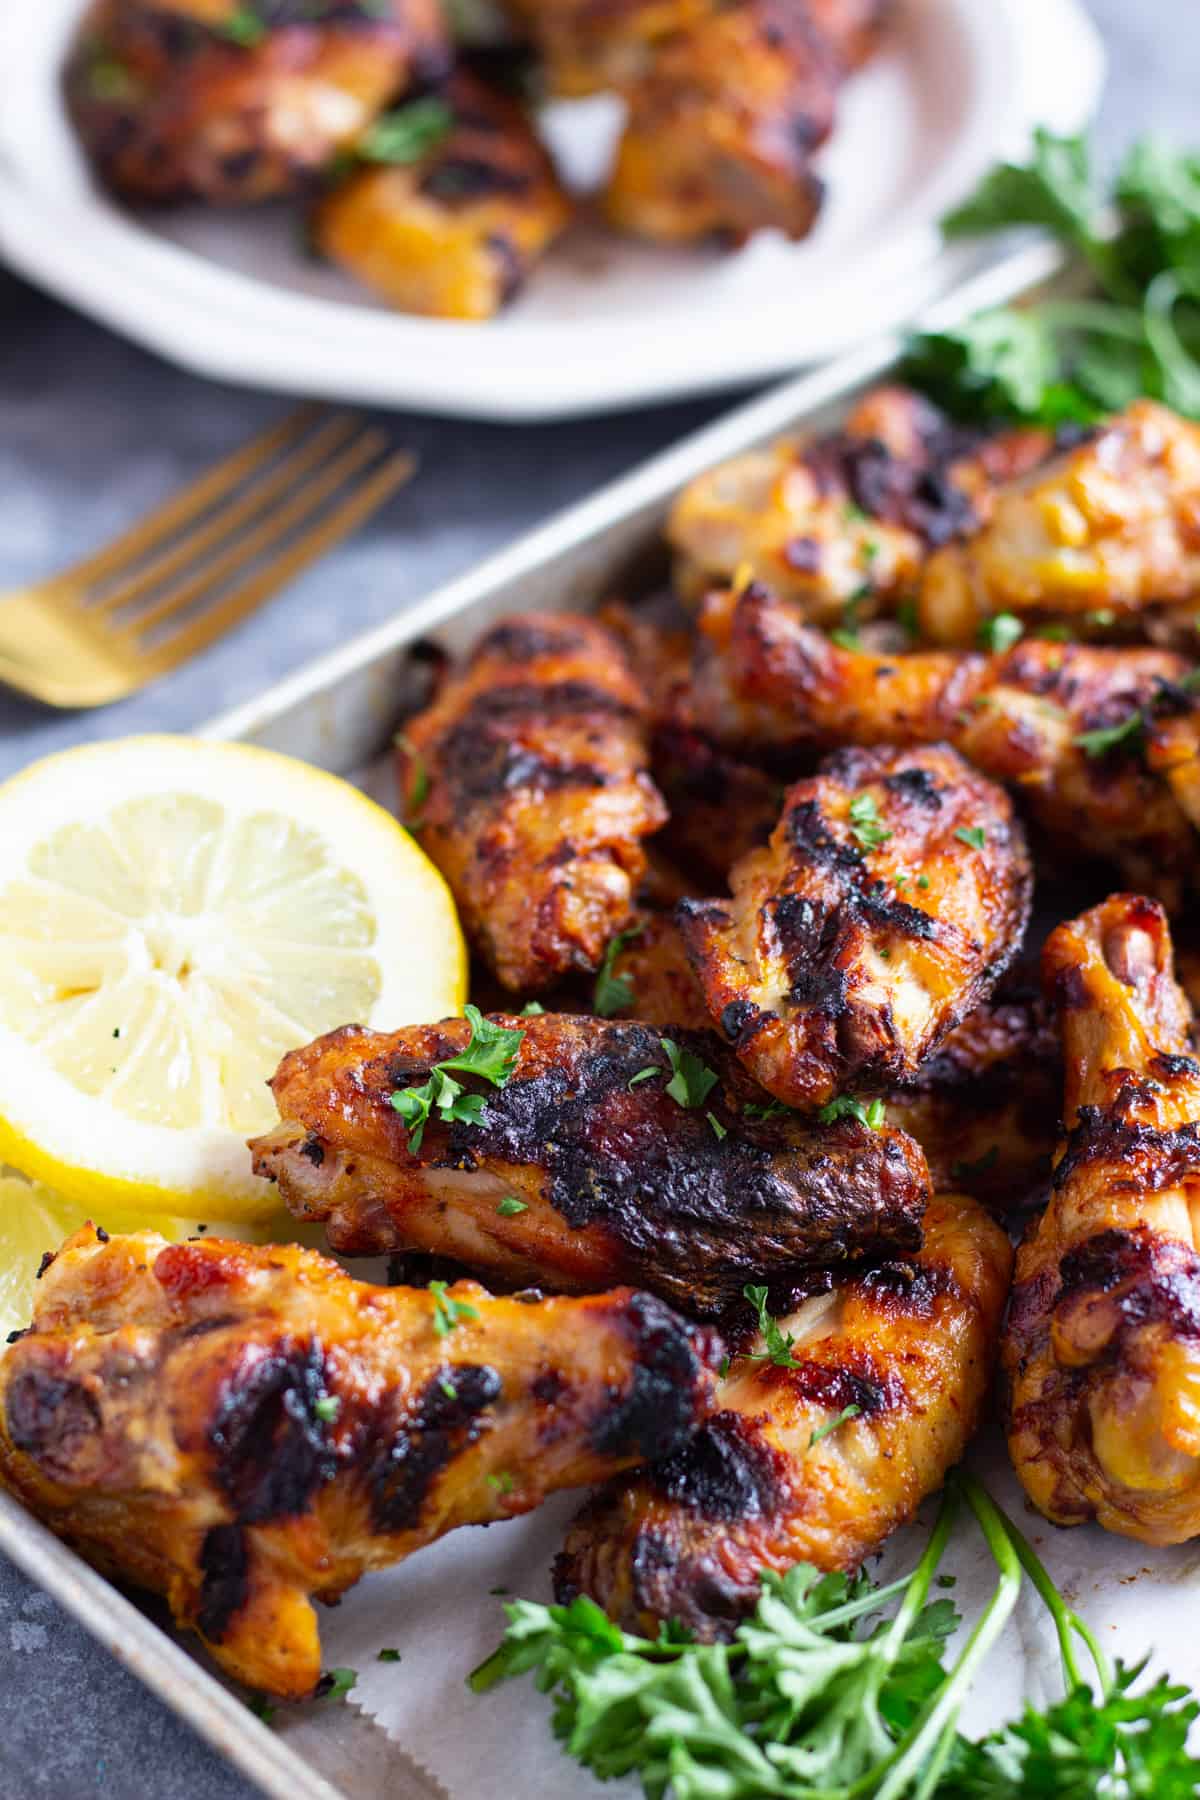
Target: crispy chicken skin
[178, 100]
[842, 525]
[894, 890]
[613, 1179]
[169, 1412]
[456, 234]
[1101, 1354]
[910, 1343]
[538, 794]
[1113, 524]
[767, 681]
[721, 128]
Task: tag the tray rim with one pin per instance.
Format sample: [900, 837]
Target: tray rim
[164, 1664]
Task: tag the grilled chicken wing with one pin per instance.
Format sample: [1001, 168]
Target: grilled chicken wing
[721, 127]
[618, 1164]
[720, 808]
[538, 797]
[768, 681]
[456, 233]
[909, 1344]
[221, 101]
[241, 1428]
[842, 525]
[894, 891]
[1114, 524]
[1102, 1350]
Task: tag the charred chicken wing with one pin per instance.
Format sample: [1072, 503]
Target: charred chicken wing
[894, 891]
[536, 796]
[243, 1428]
[456, 233]
[611, 1152]
[897, 1361]
[222, 101]
[1099, 743]
[1102, 1350]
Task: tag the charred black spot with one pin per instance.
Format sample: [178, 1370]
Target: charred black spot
[50, 1417]
[915, 784]
[1171, 1067]
[272, 1450]
[313, 1150]
[658, 1409]
[809, 831]
[401, 1468]
[482, 756]
[524, 640]
[511, 264]
[549, 1388]
[914, 1285]
[725, 1473]
[472, 178]
[1156, 1279]
[101, 1235]
[47, 1258]
[918, 497]
[736, 1016]
[225, 1584]
[1148, 1158]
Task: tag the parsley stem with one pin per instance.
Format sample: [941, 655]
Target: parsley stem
[917, 1585]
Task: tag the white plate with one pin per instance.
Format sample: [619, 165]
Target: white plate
[605, 323]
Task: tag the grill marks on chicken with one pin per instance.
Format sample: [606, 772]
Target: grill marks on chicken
[1102, 1349]
[893, 892]
[243, 1428]
[616, 1178]
[538, 794]
[171, 106]
[909, 1343]
[767, 680]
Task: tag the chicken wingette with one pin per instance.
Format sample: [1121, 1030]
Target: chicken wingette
[893, 893]
[224, 101]
[842, 525]
[243, 1428]
[815, 1458]
[610, 1151]
[530, 776]
[1111, 526]
[456, 232]
[1101, 1354]
[1101, 744]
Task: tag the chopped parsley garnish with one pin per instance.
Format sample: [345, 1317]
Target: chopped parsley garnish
[719, 1131]
[974, 835]
[823, 1431]
[490, 1054]
[779, 1343]
[765, 1109]
[327, 1407]
[1000, 632]
[692, 1080]
[407, 133]
[866, 826]
[1127, 731]
[416, 787]
[613, 993]
[510, 1206]
[532, 1009]
[387, 1654]
[244, 27]
[502, 1482]
[867, 1112]
[448, 1312]
[644, 1075]
[448, 1388]
[335, 1684]
[923, 882]
[262, 1708]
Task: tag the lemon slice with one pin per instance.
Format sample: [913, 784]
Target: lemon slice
[175, 915]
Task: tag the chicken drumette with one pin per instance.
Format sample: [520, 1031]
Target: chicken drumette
[894, 891]
[241, 1429]
[530, 773]
[816, 1461]
[611, 1152]
[1102, 1349]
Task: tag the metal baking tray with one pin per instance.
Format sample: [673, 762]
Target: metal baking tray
[340, 713]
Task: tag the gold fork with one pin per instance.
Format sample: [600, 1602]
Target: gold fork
[200, 563]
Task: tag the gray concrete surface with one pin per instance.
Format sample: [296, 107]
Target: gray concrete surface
[89, 430]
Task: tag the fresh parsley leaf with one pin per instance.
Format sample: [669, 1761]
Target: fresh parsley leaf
[719, 1131]
[823, 1431]
[779, 1343]
[866, 826]
[1000, 632]
[387, 1654]
[765, 1109]
[262, 1708]
[327, 1407]
[447, 1311]
[1056, 188]
[502, 1482]
[532, 1009]
[510, 1206]
[846, 638]
[974, 835]
[867, 1112]
[335, 1684]
[407, 133]
[448, 1388]
[1127, 732]
[416, 786]
[692, 1081]
[613, 993]
[244, 27]
[643, 1075]
[923, 882]
[491, 1054]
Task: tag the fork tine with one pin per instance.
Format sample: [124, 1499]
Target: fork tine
[186, 550]
[246, 599]
[262, 537]
[187, 503]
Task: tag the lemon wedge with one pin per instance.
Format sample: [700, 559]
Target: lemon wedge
[175, 914]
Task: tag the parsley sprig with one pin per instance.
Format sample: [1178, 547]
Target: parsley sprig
[839, 1689]
[491, 1054]
[1075, 360]
[613, 993]
[866, 827]
[846, 1106]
